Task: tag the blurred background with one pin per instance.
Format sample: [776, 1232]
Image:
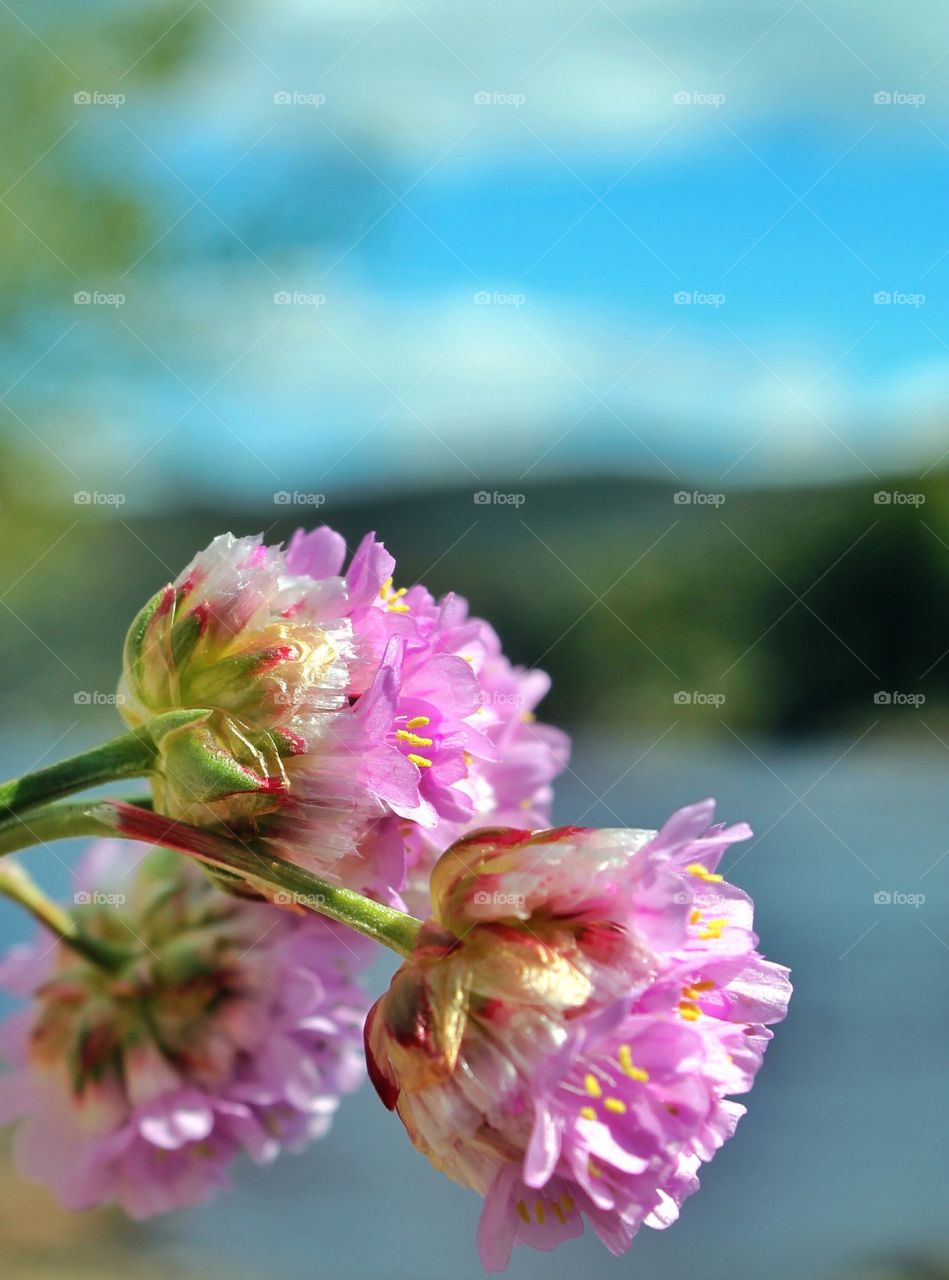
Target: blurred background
[630, 323]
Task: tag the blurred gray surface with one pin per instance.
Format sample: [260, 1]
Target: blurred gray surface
[842, 1155]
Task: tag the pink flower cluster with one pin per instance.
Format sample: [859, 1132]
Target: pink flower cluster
[366, 726]
[230, 1027]
[566, 1035]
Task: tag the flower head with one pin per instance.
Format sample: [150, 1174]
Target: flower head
[565, 1036]
[355, 727]
[230, 1027]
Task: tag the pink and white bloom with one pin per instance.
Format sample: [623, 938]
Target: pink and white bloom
[231, 1027]
[571, 1025]
[354, 727]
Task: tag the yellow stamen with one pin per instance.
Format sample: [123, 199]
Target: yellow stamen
[592, 1086]
[413, 738]
[629, 1067]
[689, 1011]
[522, 1212]
[594, 1170]
[702, 873]
[421, 761]
[695, 915]
[539, 1213]
[616, 1105]
[587, 1113]
[558, 1213]
[568, 1204]
[713, 929]
[393, 598]
[417, 722]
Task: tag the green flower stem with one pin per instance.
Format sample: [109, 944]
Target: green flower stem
[282, 881]
[130, 756]
[21, 888]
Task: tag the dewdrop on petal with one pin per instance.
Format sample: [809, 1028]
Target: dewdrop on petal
[567, 1032]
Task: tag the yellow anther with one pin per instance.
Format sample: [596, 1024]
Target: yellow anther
[527, 717]
[417, 722]
[689, 1011]
[421, 761]
[695, 915]
[616, 1105]
[705, 985]
[594, 1170]
[587, 1113]
[629, 1067]
[713, 929]
[558, 1213]
[393, 598]
[413, 738]
[522, 1212]
[592, 1086]
[539, 1213]
[568, 1204]
[702, 873]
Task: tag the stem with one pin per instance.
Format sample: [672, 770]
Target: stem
[17, 885]
[131, 755]
[281, 880]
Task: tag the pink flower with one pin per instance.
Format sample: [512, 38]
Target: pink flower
[230, 1027]
[353, 727]
[566, 1035]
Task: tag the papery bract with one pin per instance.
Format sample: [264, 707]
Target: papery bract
[565, 1036]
